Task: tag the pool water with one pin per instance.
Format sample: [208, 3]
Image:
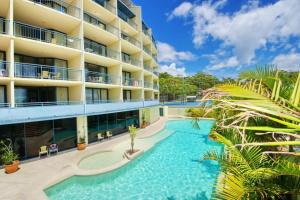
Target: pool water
[171, 170]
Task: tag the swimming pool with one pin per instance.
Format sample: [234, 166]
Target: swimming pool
[171, 170]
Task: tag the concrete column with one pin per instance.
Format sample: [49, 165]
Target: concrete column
[11, 93]
[82, 128]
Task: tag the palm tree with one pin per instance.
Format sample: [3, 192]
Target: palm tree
[259, 126]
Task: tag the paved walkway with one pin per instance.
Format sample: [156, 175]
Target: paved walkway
[28, 183]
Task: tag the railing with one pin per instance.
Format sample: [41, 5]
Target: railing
[133, 100]
[97, 77]
[155, 86]
[102, 101]
[4, 105]
[97, 22]
[148, 84]
[60, 6]
[155, 58]
[127, 19]
[146, 32]
[106, 5]
[156, 73]
[148, 68]
[36, 71]
[147, 50]
[132, 82]
[132, 61]
[4, 66]
[93, 47]
[131, 40]
[52, 103]
[45, 35]
[4, 26]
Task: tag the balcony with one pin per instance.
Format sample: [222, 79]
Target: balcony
[4, 26]
[131, 40]
[155, 72]
[155, 58]
[4, 66]
[106, 5]
[155, 86]
[148, 85]
[60, 6]
[127, 19]
[102, 78]
[132, 82]
[36, 71]
[91, 19]
[96, 48]
[45, 35]
[132, 61]
[148, 68]
[147, 50]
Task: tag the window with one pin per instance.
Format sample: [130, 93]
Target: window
[65, 133]
[2, 95]
[96, 95]
[94, 47]
[126, 77]
[126, 95]
[92, 20]
[125, 57]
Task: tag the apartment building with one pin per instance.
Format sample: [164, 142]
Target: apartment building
[74, 67]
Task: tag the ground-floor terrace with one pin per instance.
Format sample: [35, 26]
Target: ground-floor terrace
[34, 176]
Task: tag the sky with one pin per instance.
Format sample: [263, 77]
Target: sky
[224, 37]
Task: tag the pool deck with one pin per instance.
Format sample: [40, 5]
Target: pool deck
[29, 182]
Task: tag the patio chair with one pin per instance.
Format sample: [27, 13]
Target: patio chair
[56, 76]
[45, 74]
[53, 148]
[43, 151]
[108, 134]
[100, 136]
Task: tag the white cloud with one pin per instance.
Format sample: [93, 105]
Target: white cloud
[168, 54]
[246, 30]
[173, 70]
[229, 63]
[288, 62]
[182, 10]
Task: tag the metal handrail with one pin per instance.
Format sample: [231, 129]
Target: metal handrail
[37, 71]
[132, 61]
[103, 101]
[98, 77]
[60, 6]
[132, 82]
[42, 104]
[94, 47]
[4, 68]
[133, 100]
[4, 26]
[106, 5]
[4, 105]
[131, 40]
[148, 84]
[45, 35]
[98, 22]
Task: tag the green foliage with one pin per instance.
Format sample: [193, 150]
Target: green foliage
[132, 133]
[7, 153]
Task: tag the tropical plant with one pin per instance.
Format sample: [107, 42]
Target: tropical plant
[259, 124]
[82, 139]
[132, 133]
[7, 153]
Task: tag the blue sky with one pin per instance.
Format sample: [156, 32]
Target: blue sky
[223, 37]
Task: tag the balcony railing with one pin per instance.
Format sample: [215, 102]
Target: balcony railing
[60, 6]
[4, 66]
[130, 21]
[131, 40]
[93, 47]
[155, 58]
[148, 68]
[132, 82]
[133, 100]
[147, 33]
[97, 22]
[36, 71]
[52, 103]
[106, 5]
[97, 77]
[147, 50]
[102, 101]
[45, 35]
[155, 86]
[148, 84]
[132, 61]
[156, 72]
[4, 105]
[4, 26]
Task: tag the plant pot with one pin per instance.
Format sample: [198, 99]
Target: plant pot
[144, 125]
[12, 167]
[81, 146]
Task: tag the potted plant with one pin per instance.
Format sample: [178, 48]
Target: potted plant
[8, 157]
[144, 123]
[81, 143]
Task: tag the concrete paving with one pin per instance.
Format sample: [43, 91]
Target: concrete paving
[29, 182]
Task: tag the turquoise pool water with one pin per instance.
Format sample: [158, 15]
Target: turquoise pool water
[169, 171]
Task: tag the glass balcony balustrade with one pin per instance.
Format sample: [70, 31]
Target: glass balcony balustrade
[103, 78]
[132, 82]
[106, 5]
[96, 48]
